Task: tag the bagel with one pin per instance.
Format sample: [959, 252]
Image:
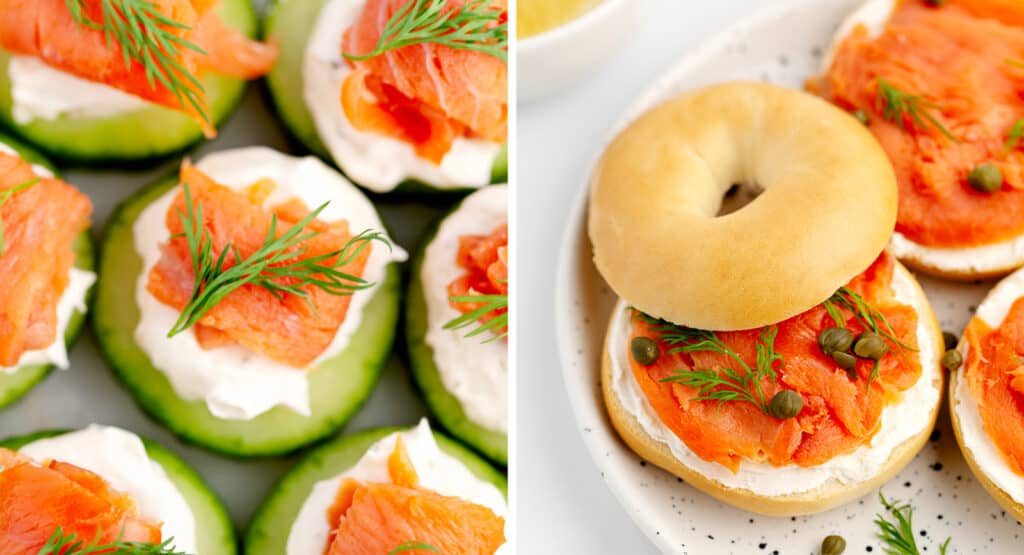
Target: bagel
[827, 209]
[982, 454]
[983, 261]
[893, 447]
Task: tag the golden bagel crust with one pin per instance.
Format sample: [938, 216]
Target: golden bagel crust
[1015, 509]
[828, 207]
[827, 496]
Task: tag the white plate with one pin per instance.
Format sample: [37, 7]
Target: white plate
[782, 45]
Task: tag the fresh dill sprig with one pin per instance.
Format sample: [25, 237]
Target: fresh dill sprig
[147, 36]
[475, 26]
[868, 316]
[1016, 135]
[896, 106]
[411, 546]
[896, 530]
[721, 384]
[491, 304]
[5, 195]
[61, 544]
[277, 266]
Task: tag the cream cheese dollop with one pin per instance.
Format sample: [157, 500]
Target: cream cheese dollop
[375, 161]
[473, 370]
[234, 382]
[437, 471]
[41, 92]
[120, 458]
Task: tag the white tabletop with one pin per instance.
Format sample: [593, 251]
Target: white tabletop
[563, 504]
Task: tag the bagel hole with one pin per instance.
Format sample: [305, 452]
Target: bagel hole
[738, 196]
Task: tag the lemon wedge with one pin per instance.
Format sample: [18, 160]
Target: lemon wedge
[539, 16]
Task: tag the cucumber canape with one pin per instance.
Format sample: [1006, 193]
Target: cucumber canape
[214, 532]
[477, 364]
[292, 25]
[14, 385]
[137, 135]
[270, 530]
[337, 386]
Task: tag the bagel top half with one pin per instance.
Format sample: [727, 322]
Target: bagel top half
[827, 210]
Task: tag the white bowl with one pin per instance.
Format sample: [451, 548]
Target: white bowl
[556, 58]
[784, 45]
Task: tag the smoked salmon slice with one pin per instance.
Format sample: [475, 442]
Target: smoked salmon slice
[36, 499]
[40, 225]
[994, 370]
[285, 328]
[47, 29]
[425, 94]
[485, 259]
[838, 415]
[376, 518]
[964, 59]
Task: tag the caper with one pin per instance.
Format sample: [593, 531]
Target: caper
[862, 116]
[950, 340]
[986, 178]
[870, 345]
[833, 340]
[645, 350]
[935, 3]
[952, 360]
[833, 545]
[785, 404]
[844, 360]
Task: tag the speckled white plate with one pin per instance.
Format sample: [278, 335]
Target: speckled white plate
[783, 45]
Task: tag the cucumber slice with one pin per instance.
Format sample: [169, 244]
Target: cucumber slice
[290, 24]
[138, 136]
[443, 405]
[337, 388]
[269, 529]
[215, 533]
[15, 385]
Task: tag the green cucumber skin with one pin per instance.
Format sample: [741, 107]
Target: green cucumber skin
[16, 385]
[337, 388]
[290, 24]
[140, 138]
[268, 531]
[443, 405]
[215, 533]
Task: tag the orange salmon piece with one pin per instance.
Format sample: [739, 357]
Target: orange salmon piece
[839, 415]
[993, 371]
[956, 56]
[287, 330]
[373, 518]
[485, 259]
[425, 94]
[36, 499]
[46, 29]
[40, 226]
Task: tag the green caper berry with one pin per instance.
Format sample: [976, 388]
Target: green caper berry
[952, 360]
[986, 178]
[870, 345]
[862, 116]
[785, 404]
[950, 340]
[834, 340]
[844, 360]
[833, 545]
[645, 350]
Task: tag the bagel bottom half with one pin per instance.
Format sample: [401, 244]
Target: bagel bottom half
[1016, 510]
[963, 263]
[832, 493]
